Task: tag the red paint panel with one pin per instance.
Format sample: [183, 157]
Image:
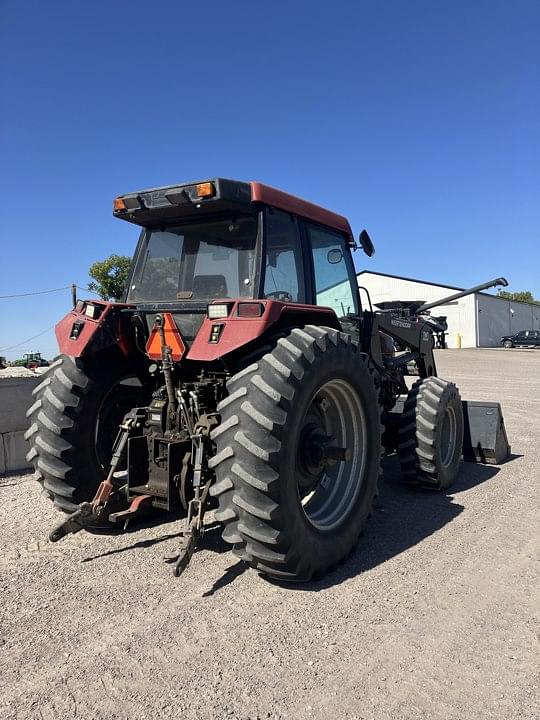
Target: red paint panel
[89, 332]
[291, 203]
[62, 330]
[238, 331]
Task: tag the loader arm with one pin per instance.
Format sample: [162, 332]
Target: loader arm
[416, 335]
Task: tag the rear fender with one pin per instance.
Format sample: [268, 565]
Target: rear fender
[236, 332]
[79, 335]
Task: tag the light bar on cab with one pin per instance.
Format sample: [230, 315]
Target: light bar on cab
[134, 205]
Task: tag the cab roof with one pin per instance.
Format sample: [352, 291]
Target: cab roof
[176, 202]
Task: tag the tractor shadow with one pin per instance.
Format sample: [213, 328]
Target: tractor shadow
[211, 540]
[402, 517]
[229, 576]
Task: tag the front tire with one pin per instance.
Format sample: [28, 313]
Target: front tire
[290, 510]
[73, 423]
[508, 344]
[431, 434]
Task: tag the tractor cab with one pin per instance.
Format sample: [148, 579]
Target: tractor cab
[226, 240]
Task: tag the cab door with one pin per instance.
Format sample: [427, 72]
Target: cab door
[284, 275]
[334, 277]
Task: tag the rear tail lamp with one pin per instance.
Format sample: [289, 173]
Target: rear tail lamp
[218, 310]
[250, 309]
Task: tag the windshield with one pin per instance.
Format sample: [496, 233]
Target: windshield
[197, 261]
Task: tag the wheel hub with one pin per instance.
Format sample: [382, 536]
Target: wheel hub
[331, 454]
[317, 451]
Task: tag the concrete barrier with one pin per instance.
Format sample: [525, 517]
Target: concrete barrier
[15, 399]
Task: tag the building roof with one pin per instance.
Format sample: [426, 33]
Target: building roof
[447, 287]
[415, 280]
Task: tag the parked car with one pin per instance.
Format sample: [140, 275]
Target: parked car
[523, 338]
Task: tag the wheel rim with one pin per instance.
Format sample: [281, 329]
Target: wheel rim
[334, 423]
[448, 436]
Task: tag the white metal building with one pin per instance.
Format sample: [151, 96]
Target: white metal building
[480, 319]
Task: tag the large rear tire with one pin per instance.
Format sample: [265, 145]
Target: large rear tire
[290, 510]
[431, 434]
[73, 423]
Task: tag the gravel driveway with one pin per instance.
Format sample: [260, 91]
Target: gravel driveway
[433, 616]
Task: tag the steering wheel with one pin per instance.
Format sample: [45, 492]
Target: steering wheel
[280, 295]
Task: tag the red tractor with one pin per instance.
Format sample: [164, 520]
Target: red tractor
[241, 373]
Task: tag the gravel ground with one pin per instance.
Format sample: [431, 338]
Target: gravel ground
[433, 616]
[10, 372]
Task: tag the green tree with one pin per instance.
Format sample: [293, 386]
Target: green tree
[110, 276]
[522, 296]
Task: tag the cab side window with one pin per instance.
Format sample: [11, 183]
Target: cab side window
[284, 270]
[334, 272]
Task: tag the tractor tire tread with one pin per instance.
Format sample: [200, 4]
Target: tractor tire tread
[418, 444]
[247, 453]
[59, 448]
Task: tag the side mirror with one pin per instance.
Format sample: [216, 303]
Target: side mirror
[334, 256]
[366, 244]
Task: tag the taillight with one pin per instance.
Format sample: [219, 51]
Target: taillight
[250, 309]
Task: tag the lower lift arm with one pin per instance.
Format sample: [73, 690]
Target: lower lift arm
[90, 513]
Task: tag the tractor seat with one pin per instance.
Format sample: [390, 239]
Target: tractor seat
[210, 286]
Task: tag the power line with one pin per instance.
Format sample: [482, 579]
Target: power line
[39, 292]
[44, 292]
[12, 347]
[86, 289]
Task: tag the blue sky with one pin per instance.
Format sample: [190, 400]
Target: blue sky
[418, 120]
